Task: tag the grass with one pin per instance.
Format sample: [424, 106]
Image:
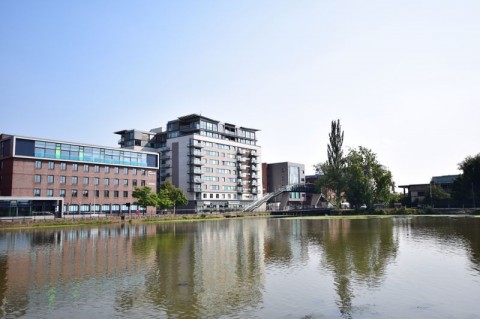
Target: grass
[48, 223]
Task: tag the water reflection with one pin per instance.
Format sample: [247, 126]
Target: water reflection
[359, 251]
[453, 233]
[212, 269]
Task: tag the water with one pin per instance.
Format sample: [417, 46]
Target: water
[404, 267]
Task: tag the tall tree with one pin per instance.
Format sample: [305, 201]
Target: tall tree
[332, 172]
[145, 196]
[171, 196]
[466, 188]
[367, 181]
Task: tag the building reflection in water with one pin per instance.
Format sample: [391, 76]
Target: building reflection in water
[188, 268]
[204, 269]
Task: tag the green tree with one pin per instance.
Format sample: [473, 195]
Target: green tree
[333, 169]
[437, 196]
[145, 196]
[466, 188]
[171, 196]
[368, 182]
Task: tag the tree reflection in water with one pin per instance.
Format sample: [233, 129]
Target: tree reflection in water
[357, 251]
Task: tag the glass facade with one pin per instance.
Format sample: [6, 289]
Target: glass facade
[64, 151]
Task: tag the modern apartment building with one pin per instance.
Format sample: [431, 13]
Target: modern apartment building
[216, 164]
[82, 178]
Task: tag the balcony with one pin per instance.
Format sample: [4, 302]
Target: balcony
[195, 145]
[196, 180]
[194, 189]
[195, 152]
[195, 162]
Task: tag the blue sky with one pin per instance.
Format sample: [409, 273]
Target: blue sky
[403, 77]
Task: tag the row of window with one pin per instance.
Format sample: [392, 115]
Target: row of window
[85, 193]
[86, 180]
[94, 168]
[218, 196]
[223, 147]
[90, 154]
[217, 179]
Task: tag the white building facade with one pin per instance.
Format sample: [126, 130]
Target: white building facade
[216, 164]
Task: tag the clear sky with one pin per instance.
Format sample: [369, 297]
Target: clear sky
[402, 76]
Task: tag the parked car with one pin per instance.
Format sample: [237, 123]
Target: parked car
[364, 206]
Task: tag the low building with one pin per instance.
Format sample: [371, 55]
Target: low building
[283, 174]
[81, 178]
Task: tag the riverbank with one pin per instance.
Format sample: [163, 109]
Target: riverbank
[92, 220]
[86, 220]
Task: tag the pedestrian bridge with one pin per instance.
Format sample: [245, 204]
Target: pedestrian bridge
[301, 188]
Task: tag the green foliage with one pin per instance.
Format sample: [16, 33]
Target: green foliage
[466, 188]
[332, 169]
[145, 196]
[358, 176]
[368, 181]
[170, 196]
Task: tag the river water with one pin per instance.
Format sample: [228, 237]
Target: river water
[395, 267]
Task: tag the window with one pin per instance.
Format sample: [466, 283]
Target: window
[125, 182]
[74, 167]
[125, 171]
[97, 193]
[106, 181]
[50, 192]
[62, 193]
[204, 195]
[116, 170]
[36, 192]
[50, 179]
[85, 181]
[63, 179]
[106, 194]
[125, 194]
[134, 171]
[96, 180]
[85, 167]
[142, 183]
[85, 193]
[74, 193]
[107, 169]
[38, 179]
[116, 181]
[38, 164]
[51, 165]
[96, 168]
[74, 180]
[143, 172]
[63, 166]
[134, 182]
[115, 194]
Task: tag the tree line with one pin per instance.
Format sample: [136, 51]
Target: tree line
[360, 179]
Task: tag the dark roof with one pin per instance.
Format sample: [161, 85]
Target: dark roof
[446, 179]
